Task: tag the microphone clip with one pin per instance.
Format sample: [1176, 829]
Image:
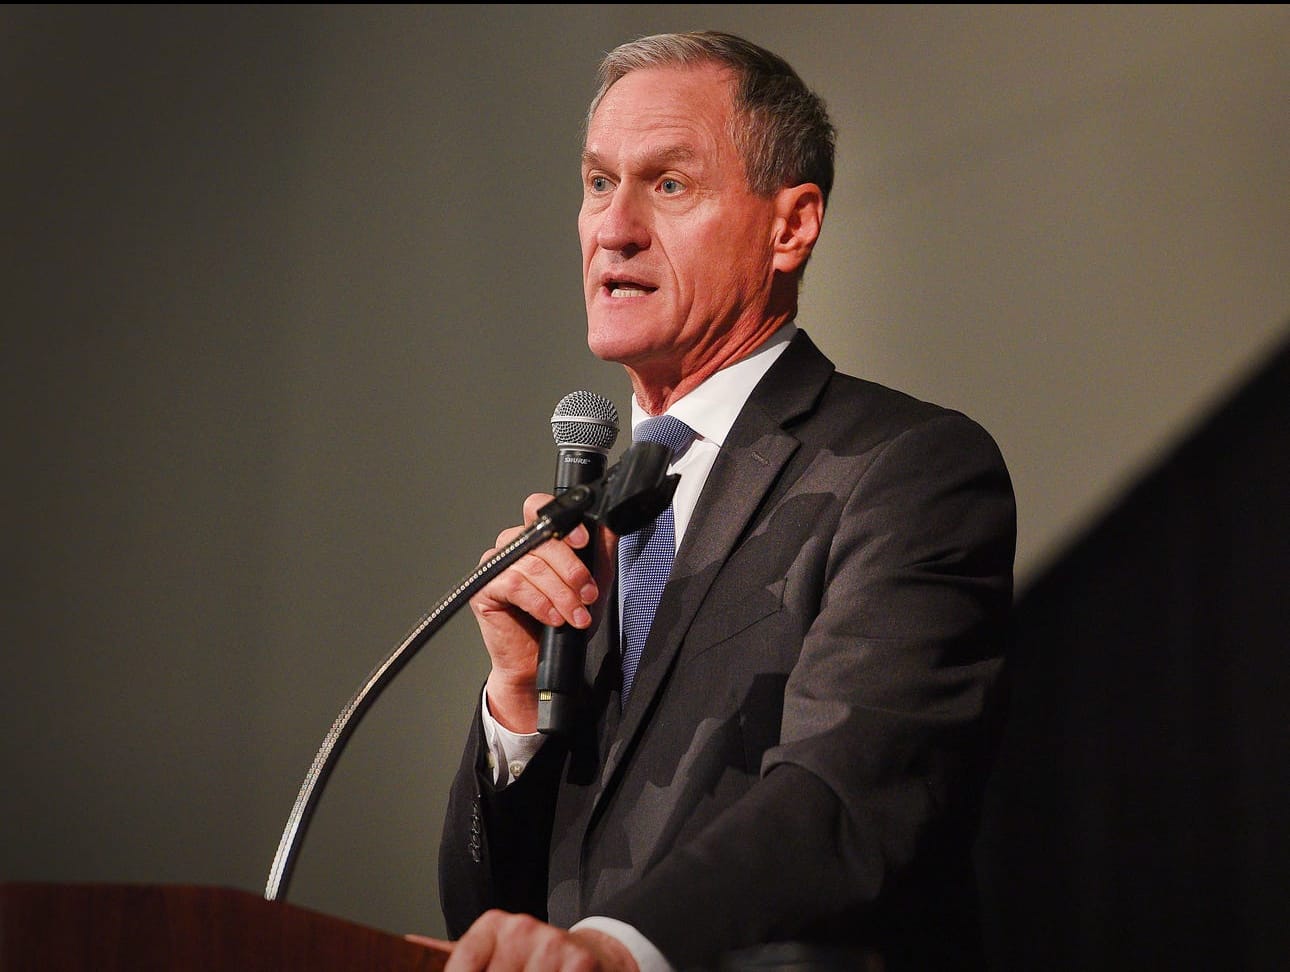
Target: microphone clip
[631, 493]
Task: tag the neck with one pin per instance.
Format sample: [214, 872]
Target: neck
[659, 385]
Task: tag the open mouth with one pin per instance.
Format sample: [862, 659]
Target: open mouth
[627, 288]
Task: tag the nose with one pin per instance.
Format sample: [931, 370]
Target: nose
[624, 222]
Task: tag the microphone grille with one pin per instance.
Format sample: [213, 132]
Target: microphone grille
[583, 418]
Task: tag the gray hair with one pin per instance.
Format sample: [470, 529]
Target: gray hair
[781, 127]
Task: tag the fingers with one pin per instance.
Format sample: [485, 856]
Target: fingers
[576, 538]
[551, 583]
[501, 942]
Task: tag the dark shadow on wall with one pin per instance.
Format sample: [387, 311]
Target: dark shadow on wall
[1139, 817]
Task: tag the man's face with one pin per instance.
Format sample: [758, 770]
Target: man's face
[676, 251]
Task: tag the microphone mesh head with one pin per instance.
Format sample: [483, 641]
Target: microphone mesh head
[583, 418]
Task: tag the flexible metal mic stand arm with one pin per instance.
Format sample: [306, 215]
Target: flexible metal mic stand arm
[555, 519]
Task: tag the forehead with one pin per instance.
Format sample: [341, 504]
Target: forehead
[679, 109]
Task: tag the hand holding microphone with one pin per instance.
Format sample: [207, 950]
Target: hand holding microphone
[622, 499]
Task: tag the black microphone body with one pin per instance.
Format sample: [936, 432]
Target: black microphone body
[585, 427]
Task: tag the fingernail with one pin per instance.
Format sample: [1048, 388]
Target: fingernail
[588, 594]
[581, 617]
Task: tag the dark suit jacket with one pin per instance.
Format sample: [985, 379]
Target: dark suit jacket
[810, 729]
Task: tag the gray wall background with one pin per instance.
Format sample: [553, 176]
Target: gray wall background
[290, 293]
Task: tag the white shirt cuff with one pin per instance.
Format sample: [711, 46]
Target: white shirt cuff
[508, 752]
[647, 957]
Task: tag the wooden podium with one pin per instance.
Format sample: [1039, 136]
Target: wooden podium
[163, 928]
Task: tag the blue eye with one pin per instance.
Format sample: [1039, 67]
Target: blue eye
[599, 184]
[671, 186]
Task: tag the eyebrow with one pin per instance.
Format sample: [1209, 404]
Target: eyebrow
[658, 159]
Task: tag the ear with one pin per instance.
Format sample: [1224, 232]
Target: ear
[799, 213]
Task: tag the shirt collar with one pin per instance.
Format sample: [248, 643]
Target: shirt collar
[712, 407]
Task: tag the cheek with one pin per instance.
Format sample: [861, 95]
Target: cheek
[729, 266]
[586, 244]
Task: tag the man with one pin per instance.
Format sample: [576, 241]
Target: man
[803, 748]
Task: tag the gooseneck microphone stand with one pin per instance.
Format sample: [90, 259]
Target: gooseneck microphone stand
[628, 496]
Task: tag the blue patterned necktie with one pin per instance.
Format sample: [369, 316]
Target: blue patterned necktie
[645, 557]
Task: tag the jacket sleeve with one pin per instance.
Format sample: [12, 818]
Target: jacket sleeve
[495, 840]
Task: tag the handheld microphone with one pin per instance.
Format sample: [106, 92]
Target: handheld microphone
[585, 426]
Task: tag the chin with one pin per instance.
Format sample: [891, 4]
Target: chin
[623, 340]
[609, 343]
[606, 349]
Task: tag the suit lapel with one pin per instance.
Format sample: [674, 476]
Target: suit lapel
[747, 468]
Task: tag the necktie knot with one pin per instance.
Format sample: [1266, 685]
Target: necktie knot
[666, 430]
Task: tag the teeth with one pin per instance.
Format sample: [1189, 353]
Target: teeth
[627, 292]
